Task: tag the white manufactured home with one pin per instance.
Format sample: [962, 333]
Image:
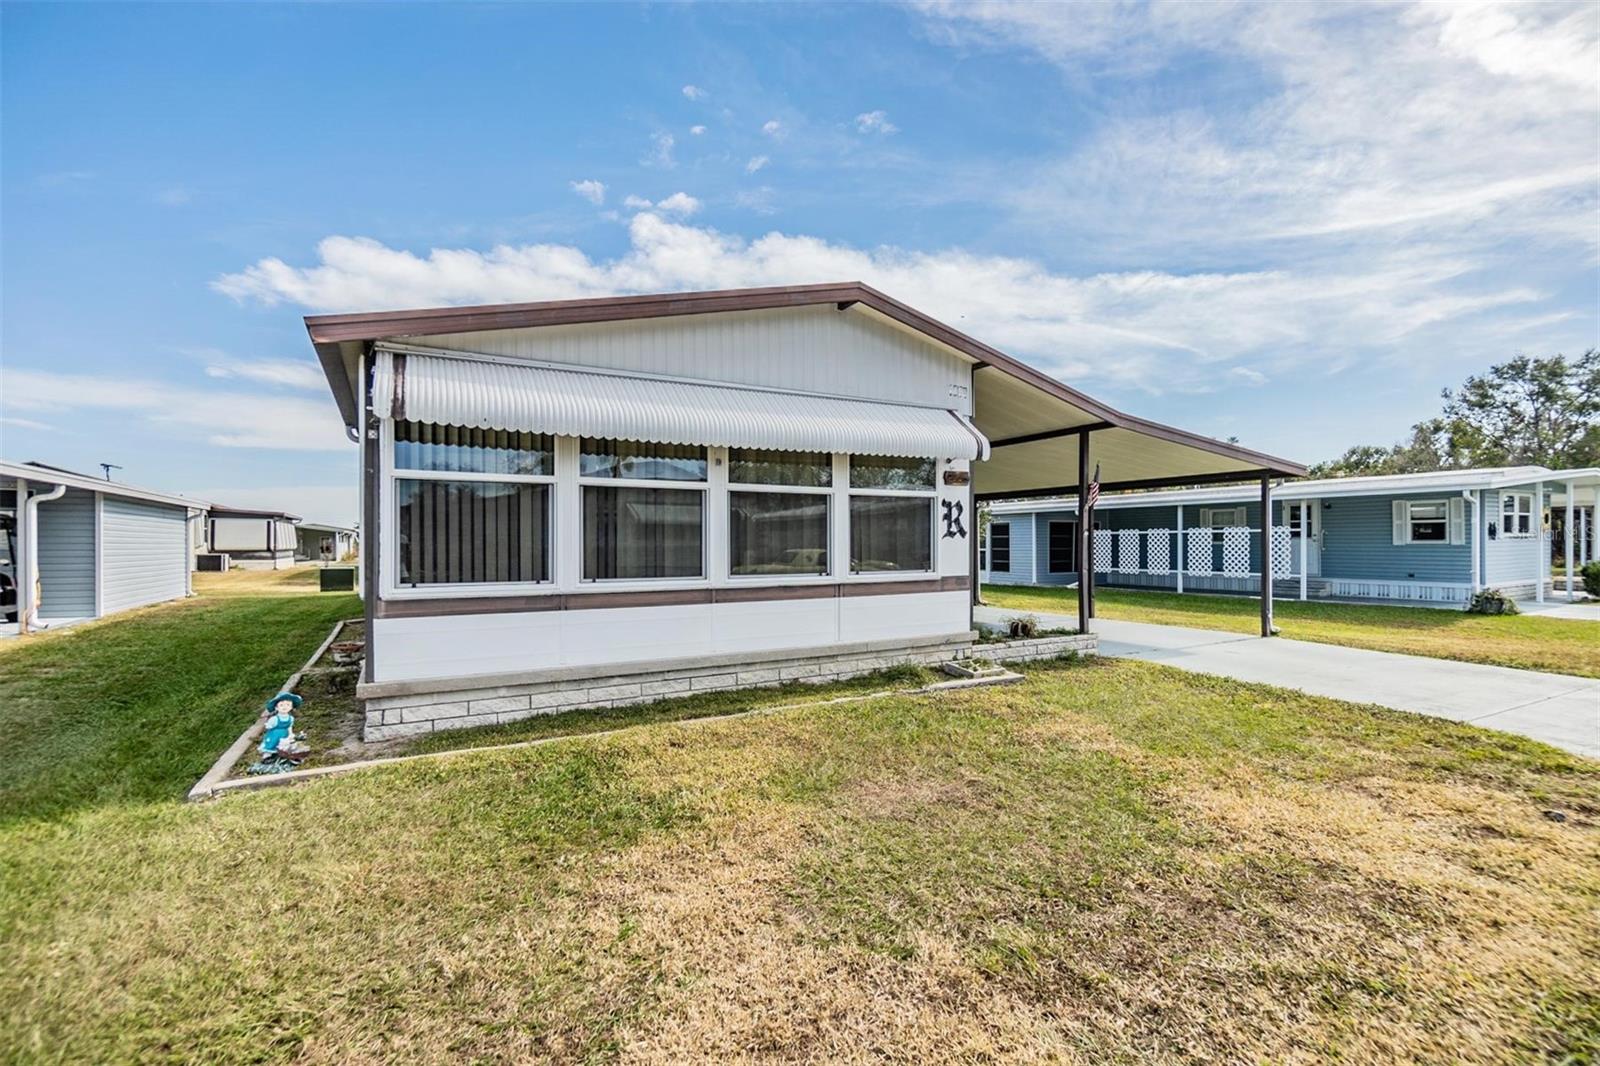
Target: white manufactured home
[78, 547]
[258, 540]
[605, 501]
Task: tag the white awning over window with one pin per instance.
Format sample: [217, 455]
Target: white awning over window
[578, 403]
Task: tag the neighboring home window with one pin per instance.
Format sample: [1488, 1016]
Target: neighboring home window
[1429, 521]
[1294, 516]
[638, 523]
[778, 512]
[1063, 547]
[1000, 547]
[472, 505]
[891, 513]
[1220, 518]
[1518, 514]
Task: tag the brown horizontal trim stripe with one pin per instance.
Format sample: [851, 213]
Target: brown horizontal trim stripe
[329, 331]
[593, 601]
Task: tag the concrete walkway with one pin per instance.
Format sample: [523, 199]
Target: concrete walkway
[1558, 709]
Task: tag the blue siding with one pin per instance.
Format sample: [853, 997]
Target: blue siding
[1021, 572]
[1358, 542]
[66, 556]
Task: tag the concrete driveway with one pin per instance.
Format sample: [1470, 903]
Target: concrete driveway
[1558, 709]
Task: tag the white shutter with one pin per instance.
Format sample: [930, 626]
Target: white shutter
[1400, 526]
[1457, 523]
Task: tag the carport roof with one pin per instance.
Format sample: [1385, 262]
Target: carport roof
[1033, 421]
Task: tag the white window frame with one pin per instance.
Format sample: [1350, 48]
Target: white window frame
[1517, 510]
[389, 506]
[1209, 515]
[1411, 520]
[701, 579]
[931, 494]
[731, 486]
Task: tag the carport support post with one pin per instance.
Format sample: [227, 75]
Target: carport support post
[23, 564]
[1266, 555]
[1543, 552]
[1085, 546]
[1568, 531]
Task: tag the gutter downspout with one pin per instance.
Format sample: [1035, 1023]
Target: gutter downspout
[30, 618]
[1471, 499]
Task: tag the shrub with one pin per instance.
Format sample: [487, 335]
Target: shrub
[1492, 601]
[1591, 578]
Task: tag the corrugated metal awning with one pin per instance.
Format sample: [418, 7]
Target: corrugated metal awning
[579, 403]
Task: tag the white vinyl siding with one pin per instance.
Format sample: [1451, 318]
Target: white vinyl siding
[66, 556]
[144, 553]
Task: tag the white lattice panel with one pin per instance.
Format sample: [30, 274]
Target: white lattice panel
[1198, 542]
[1282, 550]
[1128, 549]
[1235, 550]
[1102, 550]
[1158, 550]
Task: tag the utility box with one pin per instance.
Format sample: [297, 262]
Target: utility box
[211, 562]
[338, 578]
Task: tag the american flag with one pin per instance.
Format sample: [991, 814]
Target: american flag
[1094, 488]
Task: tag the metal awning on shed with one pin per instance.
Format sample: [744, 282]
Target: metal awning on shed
[582, 403]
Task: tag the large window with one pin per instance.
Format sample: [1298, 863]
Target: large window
[472, 506]
[1063, 547]
[1000, 547]
[633, 527]
[778, 512]
[1518, 514]
[891, 513]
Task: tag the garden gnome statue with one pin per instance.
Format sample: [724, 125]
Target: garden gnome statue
[279, 739]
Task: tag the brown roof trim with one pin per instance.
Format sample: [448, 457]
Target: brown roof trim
[328, 332]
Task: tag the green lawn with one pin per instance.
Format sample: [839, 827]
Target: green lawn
[135, 708]
[1111, 862]
[1564, 646]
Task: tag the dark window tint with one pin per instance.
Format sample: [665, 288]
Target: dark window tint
[751, 466]
[641, 533]
[471, 532]
[891, 472]
[1000, 547]
[636, 459]
[777, 533]
[1063, 547]
[465, 450]
[891, 533]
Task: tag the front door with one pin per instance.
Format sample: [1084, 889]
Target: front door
[1297, 514]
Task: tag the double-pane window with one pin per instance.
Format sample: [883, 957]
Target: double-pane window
[891, 523]
[1000, 547]
[472, 506]
[1429, 522]
[1063, 547]
[1518, 514]
[633, 527]
[778, 512]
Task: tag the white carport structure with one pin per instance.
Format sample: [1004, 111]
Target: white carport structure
[1029, 435]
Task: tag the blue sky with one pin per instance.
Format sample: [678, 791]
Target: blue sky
[1290, 223]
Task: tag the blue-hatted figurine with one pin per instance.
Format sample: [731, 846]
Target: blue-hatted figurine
[280, 740]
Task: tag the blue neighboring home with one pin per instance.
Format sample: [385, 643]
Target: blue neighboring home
[1435, 537]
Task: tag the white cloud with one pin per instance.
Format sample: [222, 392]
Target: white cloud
[591, 190]
[875, 122]
[1248, 376]
[694, 92]
[1469, 125]
[661, 152]
[27, 423]
[696, 130]
[226, 419]
[756, 163]
[293, 373]
[773, 128]
[679, 203]
[1149, 330]
[636, 203]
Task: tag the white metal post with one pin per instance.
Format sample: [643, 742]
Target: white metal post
[1543, 552]
[1476, 499]
[22, 565]
[1568, 531]
[1177, 556]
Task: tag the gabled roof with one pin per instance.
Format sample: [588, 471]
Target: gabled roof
[54, 475]
[338, 338]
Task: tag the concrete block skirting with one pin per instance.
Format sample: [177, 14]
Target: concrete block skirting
[1035, 648]
[403, 709]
